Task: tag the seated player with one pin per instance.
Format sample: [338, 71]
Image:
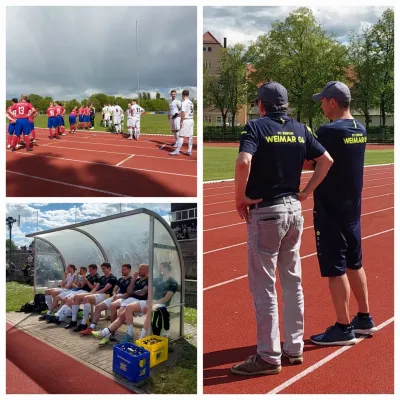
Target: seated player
[101, 291]
[51, 294]
[72, 121]
[120, 293]
[138, 298]
[10, 115]
[81, 287]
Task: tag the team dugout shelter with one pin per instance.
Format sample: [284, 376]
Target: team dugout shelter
[134, 237]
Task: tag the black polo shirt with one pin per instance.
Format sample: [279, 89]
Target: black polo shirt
[279, 146]
[140, 284]
[112, 280]
[340, 192]
[92, 279]
[161, 288]
[123, 284]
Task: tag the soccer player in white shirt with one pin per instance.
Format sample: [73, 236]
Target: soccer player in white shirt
[187, 125]
[174, 116]
[107, 114]
[117, 113]
[134, 127]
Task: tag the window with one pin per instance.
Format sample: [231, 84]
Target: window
[219, 120]
[184, 214]
[191, 214]
[209, 49]
[178, 216]
[207, 65]
[204, 49]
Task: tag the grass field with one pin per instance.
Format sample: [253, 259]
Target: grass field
[219, 162]
[149, 123]
[17, 294]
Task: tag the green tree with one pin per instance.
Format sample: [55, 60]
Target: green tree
[73, 103]
[44, 103]
[13, 245]
[158, 95]
[8, 103]
[364, 91]
[35, 99]
[300, 55]
[383, 48]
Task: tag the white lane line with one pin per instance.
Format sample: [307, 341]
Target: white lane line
[115, 152]
[126, 159]
[320, 363]
[231, 211]
[68, 184]
[302, 258]
[243, 223]
[106, 165]
[303, 173]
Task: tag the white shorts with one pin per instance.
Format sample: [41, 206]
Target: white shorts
[73, 294]
[131, 300]
[110, 300]
[99, 297]
[65, 293]
[116, 120]
[106, 117]
[175, 124]
[134, 123]
[187, 128]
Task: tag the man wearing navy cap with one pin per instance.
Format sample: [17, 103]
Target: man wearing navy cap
[337, 211]
[273, 149]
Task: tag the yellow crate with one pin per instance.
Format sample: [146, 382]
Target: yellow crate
[158, 351]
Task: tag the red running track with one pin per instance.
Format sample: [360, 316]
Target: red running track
[229, 323]
[101, 164]
[35, 367]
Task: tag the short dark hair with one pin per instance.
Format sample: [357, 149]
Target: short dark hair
[127, 266]
[14, 100]
[343, 104]
[93, 266]
[85, 269]
[173, 91]
[72, 266]
[107, 265]
[185, 93]
[270, 107]
[28, 101]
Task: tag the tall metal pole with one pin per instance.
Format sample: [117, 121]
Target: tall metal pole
[10, 221]
[137, 63]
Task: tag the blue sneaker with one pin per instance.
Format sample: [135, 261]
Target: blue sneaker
[363, 326]
[127, 338]
[335, 336]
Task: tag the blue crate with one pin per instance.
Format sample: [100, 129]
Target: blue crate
[132, 367]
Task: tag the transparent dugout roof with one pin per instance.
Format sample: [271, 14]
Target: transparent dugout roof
[134, 237]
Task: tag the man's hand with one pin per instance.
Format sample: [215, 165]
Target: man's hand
[303, 195]
[115, 297]
[242, 207]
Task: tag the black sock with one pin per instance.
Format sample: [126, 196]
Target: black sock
[363, 315]
[343, 326]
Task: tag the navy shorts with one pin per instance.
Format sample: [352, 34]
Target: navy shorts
[80, 118]
[11, 128]
[72, 120]
[86, 118]
[338, 244]
[22, 126]
[59, 120]
[32, 125]
[62, 122]
[51, 122]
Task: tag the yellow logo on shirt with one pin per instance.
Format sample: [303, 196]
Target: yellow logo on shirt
[355, 138]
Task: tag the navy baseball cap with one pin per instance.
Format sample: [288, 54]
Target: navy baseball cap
[334, 90]
[274, 93]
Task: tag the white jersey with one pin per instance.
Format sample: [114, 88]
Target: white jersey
[128, 113]
[175, 107]
[70, 279]
[188, 109]
[136, 110]
[117, 111]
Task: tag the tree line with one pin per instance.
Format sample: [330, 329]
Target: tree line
[303, 57]
[99, 99]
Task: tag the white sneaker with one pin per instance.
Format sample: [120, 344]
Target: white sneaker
[63, 134]
[174, 153]
[188, 153]
[164, 333]
[17, 146]
[130, 138]
[9, 146]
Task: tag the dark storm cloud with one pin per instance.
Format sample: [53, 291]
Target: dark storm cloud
[243, 24]
[67, 52]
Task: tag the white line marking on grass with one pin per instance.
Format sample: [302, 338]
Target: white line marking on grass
[302, 258]
[325, 360]
[308, 227]
[107, 165]
[126, 159]
[67, 184]
[309, 209]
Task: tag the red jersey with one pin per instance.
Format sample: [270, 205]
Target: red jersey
[87, 111]
[51, 112]
[73, 113]
[11, 112]
[22, 109]
[80, 111]
[59, 109]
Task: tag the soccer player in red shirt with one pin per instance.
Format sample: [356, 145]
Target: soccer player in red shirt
[52, 120]
[32, 124]
[80, 116]
[10, 114]
[59, 119]
[24, 110]
[86, 117]
[72, 121]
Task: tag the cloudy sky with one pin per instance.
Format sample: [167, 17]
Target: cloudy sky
[73, 52]
[245, 24]
[56, 215]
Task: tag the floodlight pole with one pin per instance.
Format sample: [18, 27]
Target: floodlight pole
[137, 63]
[10, 221]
